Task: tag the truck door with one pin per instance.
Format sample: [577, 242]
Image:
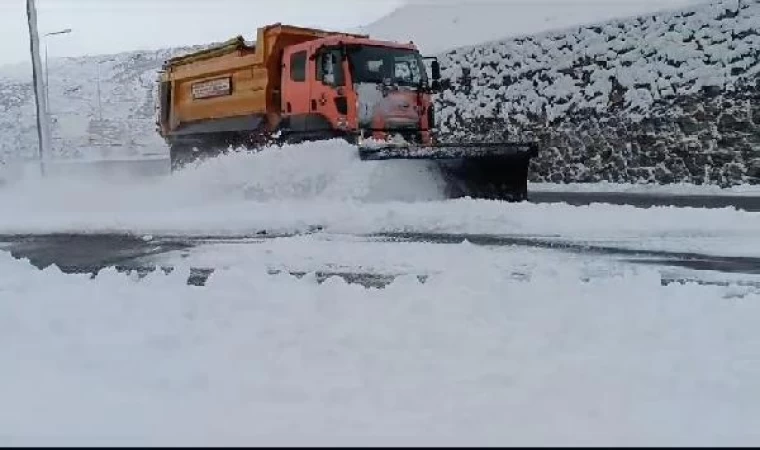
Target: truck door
[295, 84]
[330, 94]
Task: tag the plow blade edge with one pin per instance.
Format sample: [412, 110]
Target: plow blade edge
[496, 171]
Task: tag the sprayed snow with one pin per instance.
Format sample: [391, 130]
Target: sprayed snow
[300, 188]
[327, 171]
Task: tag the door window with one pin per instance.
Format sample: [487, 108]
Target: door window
[330, 68]
[298, 66]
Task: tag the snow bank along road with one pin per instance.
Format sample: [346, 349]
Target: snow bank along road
[341, 305]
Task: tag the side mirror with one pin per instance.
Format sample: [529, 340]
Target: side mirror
[436, 69]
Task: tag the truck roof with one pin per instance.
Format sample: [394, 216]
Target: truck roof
[229, 46]
[238, 43]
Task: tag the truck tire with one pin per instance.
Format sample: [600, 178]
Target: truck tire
[180, 155]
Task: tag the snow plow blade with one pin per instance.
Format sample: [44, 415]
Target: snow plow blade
[495, 171]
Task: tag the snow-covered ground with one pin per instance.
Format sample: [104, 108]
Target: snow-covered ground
[474, 355]
[442, 25]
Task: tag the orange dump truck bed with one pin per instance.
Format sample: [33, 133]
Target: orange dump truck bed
[232, 80]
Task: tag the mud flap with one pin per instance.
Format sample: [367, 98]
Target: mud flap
[495, 171]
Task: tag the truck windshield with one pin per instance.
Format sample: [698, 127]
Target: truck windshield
[375, 64]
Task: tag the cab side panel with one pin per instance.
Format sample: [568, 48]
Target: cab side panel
[306, 108]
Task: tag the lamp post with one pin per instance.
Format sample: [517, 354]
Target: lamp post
[47, 65]
[43, 123]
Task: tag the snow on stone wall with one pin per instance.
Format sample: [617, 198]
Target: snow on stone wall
[659, 98]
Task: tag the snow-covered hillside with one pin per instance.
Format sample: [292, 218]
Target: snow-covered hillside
[667, 97]
[120, 122]
[441, 25]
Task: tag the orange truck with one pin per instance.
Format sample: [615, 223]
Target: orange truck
[300, 84]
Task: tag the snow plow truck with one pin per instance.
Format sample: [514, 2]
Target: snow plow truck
[297, 84]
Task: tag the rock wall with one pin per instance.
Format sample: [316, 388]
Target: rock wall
[671, 97]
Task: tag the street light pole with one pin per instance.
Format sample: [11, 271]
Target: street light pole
[47, 78]
[100, 104]
[43, 123]
[47, 65]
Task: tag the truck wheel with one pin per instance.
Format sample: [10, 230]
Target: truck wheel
[180, 154]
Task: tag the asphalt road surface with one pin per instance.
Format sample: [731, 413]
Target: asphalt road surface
[84, 253]
[90, 254]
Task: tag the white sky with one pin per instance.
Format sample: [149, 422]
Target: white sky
[107, 26]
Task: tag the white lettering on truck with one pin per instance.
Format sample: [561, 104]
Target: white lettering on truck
[212, 88]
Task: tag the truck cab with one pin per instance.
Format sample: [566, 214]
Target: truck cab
[357, 88]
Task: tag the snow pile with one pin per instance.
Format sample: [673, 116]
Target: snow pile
[469, 357]
[452, 24]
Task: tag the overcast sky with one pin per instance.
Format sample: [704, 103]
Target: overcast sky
[108, 26]
[105, 26]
